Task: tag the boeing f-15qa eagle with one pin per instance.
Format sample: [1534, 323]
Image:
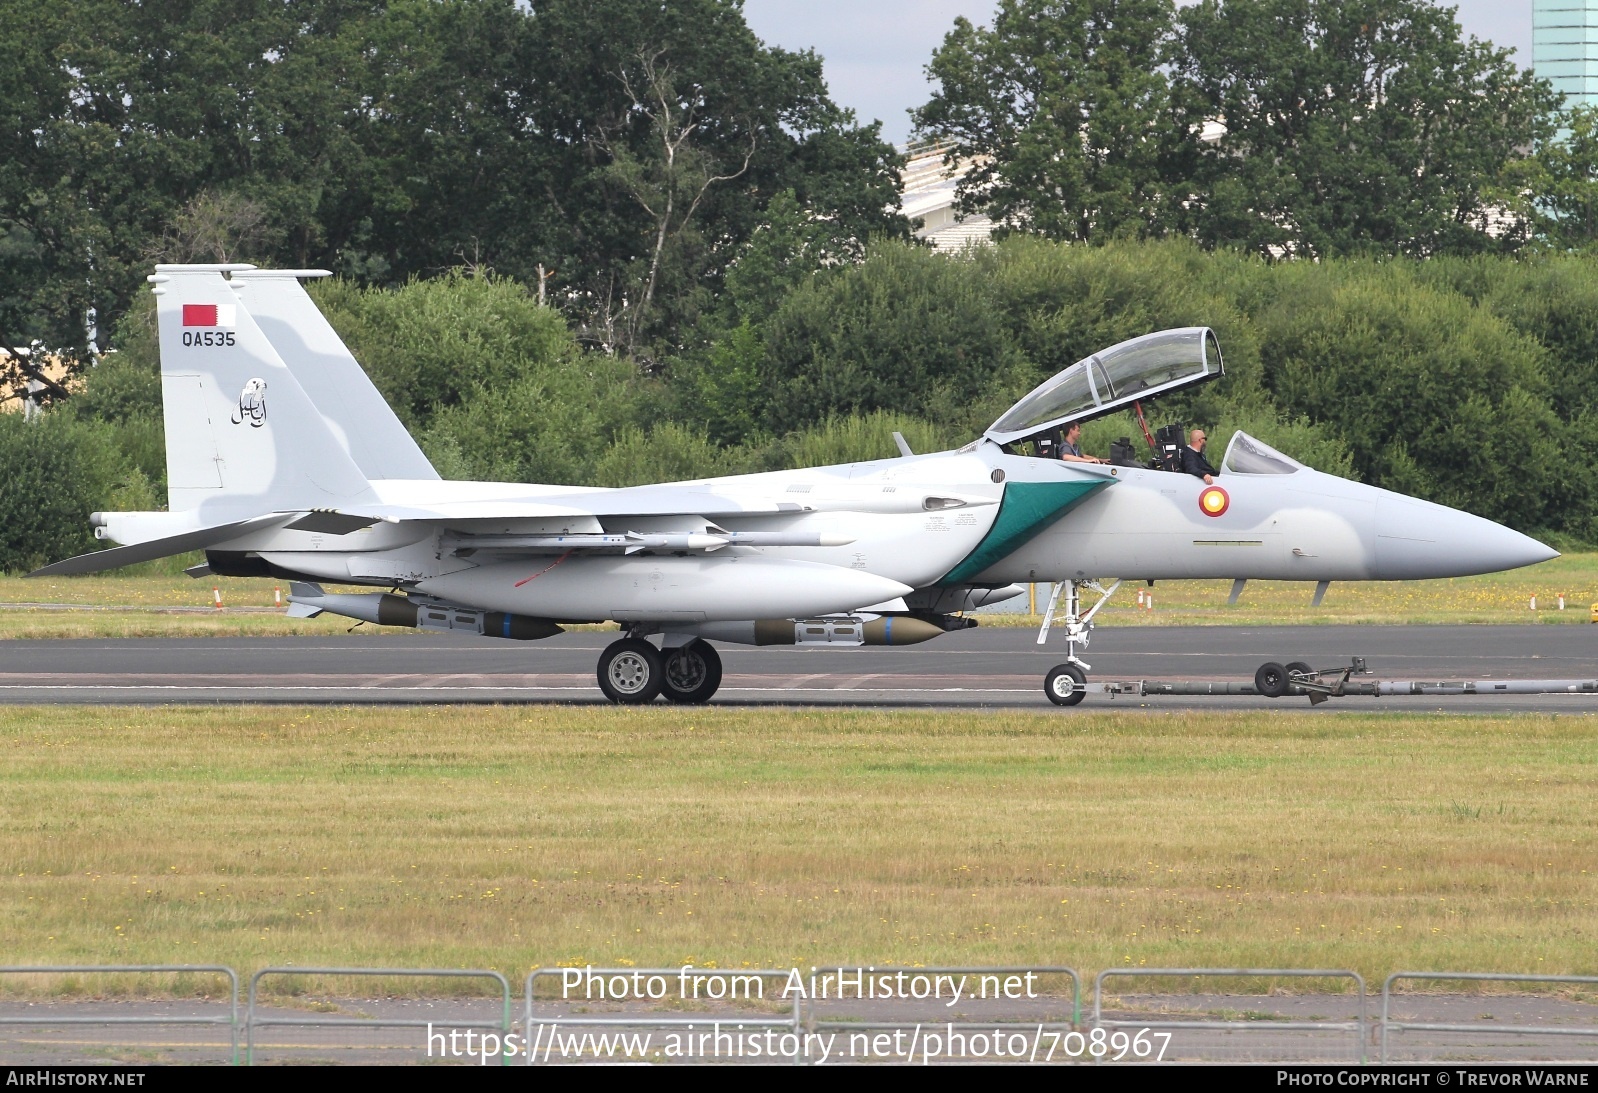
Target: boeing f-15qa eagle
[284, 461]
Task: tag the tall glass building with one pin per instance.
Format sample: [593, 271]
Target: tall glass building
[1564, 47]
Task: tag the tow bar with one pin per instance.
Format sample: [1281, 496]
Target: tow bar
[1274, 680]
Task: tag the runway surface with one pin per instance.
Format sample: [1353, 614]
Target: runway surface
[972, 668]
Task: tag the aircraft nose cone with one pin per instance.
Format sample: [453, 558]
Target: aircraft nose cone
[1416, 540]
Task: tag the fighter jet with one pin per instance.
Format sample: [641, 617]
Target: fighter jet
[284, 461]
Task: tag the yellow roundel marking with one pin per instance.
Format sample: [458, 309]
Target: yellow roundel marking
[1214, 501]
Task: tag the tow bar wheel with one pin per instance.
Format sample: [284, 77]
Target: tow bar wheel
[1271, 680]
[1066, 685]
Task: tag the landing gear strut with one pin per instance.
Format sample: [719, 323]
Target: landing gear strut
[1065, 683]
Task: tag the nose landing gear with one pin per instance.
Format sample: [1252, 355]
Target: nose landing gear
[1065, 684]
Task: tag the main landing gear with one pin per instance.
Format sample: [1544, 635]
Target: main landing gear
[633, 672]
[693, 672]
[1066, 684]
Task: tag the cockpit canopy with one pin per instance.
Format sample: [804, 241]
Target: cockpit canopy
[1112, 379]
[1248, 455]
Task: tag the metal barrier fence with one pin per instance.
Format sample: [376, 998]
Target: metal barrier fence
[736, 1001]
[624, 989]
[254, 1019]
[231, 1020]
[993, 984]
[1388, 1025]
[541, 1034]
[1356, 1026]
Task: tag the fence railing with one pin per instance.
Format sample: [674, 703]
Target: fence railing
[745, 997]
[254, 1019]
[1389, 1025]
[1356, 1026]
[230, 1020]
[1000, 977]
[989, 984]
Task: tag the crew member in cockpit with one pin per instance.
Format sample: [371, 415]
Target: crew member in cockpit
[1071, 446]
[1193, 461]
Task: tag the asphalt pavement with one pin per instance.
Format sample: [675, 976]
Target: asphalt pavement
[983, 667]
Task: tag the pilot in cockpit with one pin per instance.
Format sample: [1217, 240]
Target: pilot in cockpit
[1193, 461]
[1071, 446]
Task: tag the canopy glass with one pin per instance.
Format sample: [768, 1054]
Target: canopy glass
[1246, 455]
[1114, 378]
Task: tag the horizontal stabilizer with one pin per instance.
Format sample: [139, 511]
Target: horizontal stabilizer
[97, 561]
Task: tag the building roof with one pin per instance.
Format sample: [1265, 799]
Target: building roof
[929, 185]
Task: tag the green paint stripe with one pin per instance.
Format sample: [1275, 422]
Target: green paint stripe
[1025, 510]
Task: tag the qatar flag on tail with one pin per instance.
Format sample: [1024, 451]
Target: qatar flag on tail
[218, 315]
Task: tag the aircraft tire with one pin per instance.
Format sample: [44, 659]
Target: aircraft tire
[692, 672]
[1065, 684]
[631, 672]
[1271, 680]
[1299, 667]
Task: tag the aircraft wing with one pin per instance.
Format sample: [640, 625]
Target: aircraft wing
[596, 505]
[672, 499]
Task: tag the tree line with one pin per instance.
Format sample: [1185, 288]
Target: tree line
[622, 155]
[614, 151]
[1293, 128]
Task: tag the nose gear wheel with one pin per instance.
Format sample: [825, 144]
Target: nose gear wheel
[1065, 685]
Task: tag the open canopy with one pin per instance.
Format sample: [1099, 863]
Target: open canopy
[1114, 378]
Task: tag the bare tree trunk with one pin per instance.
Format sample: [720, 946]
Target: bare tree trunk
[674, 125]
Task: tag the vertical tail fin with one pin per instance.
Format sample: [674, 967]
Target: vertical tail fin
[242, 437]
[335, 382]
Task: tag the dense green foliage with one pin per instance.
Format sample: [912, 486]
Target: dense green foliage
[57, 472]
[1329, 127]
[1351, 126]
[622, 146]
[1061, 106]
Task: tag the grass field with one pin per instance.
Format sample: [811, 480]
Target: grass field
[508, 837]
[176, 606]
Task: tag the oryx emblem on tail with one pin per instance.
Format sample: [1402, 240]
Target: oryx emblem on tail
[252, 404]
